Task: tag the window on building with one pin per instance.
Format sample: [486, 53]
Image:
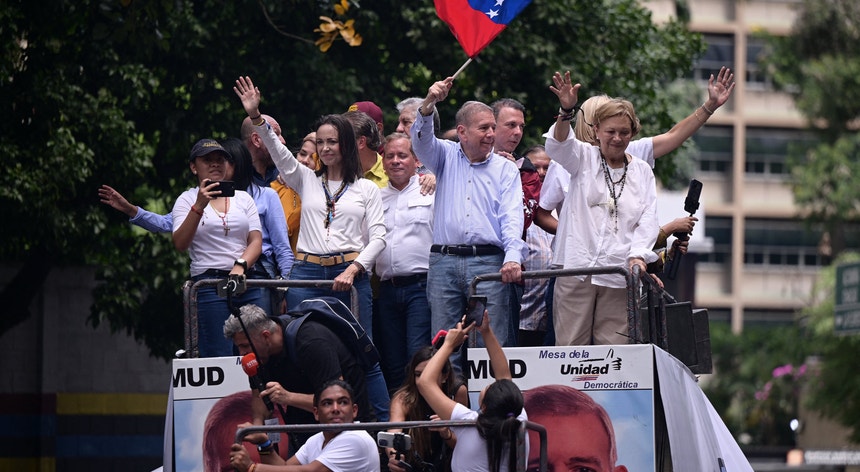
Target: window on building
[757, 76]
[719, 229]
[768, 150]
[715, 146]
[720, 53]
[780, 243]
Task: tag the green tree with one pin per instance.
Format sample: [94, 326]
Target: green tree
[834, 393]
[819, 65]
[100, 91]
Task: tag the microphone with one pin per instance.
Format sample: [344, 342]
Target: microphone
[250, 366]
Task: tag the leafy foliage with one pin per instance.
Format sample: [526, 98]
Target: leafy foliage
[835, 391]
[98, 91]
[818, 64]
[743, 364]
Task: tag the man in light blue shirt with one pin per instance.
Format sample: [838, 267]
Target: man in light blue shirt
[478, 220]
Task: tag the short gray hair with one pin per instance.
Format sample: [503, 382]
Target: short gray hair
[255, 320]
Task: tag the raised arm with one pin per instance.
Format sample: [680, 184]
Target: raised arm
[719, 91]
[567, 96]
[498, 360]
[430, 390]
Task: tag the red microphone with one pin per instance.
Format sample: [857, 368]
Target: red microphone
[250, 366]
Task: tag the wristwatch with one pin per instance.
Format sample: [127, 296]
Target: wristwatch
[241, 262]
[266, 447]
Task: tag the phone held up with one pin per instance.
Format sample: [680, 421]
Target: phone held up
[475, 311]
[400, 442]
[227, 187]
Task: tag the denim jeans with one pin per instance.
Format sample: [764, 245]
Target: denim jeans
[303, 270]
[448, 291]
[403, 326]
[213, 311]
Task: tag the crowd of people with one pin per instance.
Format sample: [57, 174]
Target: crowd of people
[408, 220]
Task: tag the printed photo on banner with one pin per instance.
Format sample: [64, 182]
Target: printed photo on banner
[211, 397]
[577, 391]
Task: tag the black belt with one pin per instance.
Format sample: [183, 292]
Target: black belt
[219, 274]
[406, 280]
[466, 250]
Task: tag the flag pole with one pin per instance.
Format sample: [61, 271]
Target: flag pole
[465, 64]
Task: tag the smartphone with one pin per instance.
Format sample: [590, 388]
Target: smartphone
[227, 187]
[475, 311]
[401, 442]
[439, 339]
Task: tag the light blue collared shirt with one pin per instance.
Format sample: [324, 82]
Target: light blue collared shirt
[476, 203]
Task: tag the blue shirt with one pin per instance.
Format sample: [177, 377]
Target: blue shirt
[476, 203]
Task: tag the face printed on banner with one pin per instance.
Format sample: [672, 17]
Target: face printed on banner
[579, 443]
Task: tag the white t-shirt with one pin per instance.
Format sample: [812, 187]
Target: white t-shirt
[211, 248]
[470, 455]
[349, 451]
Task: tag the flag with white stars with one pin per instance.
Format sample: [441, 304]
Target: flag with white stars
[475, 23]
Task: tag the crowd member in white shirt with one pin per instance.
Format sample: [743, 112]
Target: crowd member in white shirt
[342, 228]
[611, 220]
[404, 325]
[490, 446]
[332, 451]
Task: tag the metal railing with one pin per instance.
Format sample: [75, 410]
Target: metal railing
[189, 300]
[522, 464]
[637, 283]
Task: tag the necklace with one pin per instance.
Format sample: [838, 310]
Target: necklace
[610, 185]
[224, 216]
[331, 200]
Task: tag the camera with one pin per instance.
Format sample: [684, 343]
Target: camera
[400, 442]
[227, 187]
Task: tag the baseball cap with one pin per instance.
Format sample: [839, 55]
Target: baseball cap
[370, 108]
[206, 146]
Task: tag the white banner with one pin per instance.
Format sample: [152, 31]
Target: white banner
[211, 397]
[619, 379]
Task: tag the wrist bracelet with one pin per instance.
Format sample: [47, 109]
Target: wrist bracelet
[255, 118]
[707, 110]
[699, 118]
[195, 210]
[562, 109]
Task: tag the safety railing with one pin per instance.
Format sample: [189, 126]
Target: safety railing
[313, 428]
[639, 286]
[189, 299]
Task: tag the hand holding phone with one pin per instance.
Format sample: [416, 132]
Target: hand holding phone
[226, 187]
[475, 311]
[439, 339]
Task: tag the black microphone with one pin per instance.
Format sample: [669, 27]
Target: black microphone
[691, 204]
[250, 366]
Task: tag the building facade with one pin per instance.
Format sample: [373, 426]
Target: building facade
[764, 258]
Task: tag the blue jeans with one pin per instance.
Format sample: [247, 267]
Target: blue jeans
[403, 326]
[377, 393]
[303, 270]
[448, 290]
[213, 311]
